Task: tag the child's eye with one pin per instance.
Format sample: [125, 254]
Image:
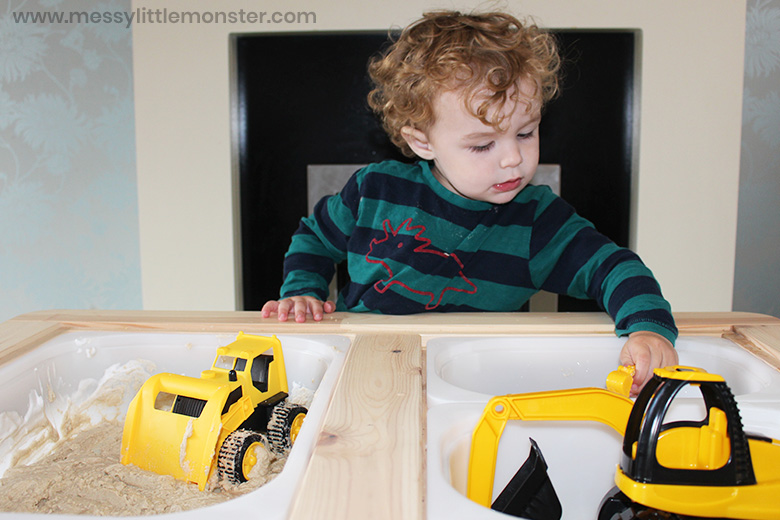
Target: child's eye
[525, 135]
[482, 148]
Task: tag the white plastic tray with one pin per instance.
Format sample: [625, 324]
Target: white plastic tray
[581, 457]
[69, 367]
[464, 373]
[476, 369]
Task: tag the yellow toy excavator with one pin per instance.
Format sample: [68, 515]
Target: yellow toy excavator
[192, 428]
[674, 470]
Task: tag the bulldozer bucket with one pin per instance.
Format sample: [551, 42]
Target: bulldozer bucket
[173, 426]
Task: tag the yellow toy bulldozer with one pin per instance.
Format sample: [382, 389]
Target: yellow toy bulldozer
[191, 428]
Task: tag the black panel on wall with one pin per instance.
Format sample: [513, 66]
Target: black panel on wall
[302, 100]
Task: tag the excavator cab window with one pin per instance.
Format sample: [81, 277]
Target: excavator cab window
[260, 371]
[240, 364]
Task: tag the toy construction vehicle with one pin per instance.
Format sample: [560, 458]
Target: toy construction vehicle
[190, 428]
[669, 470]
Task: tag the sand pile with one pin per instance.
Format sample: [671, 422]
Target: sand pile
[62, 456]
[83, 476]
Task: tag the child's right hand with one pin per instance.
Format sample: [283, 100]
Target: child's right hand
[299, 306]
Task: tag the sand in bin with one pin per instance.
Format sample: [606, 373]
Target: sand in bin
[83, 475]
[62, 456]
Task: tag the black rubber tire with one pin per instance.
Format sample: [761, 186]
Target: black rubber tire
[230, 461]
[281, 433]
[617, 506]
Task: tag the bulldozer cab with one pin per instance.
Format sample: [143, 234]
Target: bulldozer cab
[258, 371]
[250, 361]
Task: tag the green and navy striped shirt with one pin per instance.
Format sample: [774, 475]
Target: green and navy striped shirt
[413, 246]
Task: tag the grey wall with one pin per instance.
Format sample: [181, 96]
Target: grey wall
[757, 270]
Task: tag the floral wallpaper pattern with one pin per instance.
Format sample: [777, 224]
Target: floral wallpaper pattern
[68, 201]
[757, 273]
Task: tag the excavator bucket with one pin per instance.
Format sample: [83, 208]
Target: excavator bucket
[530, 493]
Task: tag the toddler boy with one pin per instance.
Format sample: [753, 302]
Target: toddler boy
[461, 229]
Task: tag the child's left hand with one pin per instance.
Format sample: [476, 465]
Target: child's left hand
[646, 351]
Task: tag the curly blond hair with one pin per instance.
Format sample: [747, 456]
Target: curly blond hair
[448, 50]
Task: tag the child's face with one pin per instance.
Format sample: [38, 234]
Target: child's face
[475, 160]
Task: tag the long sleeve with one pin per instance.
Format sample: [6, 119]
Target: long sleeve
[568, 256]
[319, 243]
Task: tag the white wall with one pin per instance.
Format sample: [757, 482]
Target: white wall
[689, 137]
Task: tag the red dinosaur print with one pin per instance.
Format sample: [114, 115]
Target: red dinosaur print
[386, 247]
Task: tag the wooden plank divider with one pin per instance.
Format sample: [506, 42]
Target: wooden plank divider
[369, 459]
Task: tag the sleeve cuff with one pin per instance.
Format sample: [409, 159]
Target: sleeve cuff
[662, 329]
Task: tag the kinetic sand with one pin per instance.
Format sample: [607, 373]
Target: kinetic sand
[62, 457]
[83, 476]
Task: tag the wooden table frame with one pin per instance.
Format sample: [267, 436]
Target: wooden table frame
[369, 460]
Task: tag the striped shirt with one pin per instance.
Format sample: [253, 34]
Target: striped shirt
[413, 246]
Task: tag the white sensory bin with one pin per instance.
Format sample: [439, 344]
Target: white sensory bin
[464, 373]
[65, 370]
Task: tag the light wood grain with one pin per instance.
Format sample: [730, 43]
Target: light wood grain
[16, 339]
[368, 461]
[522, 323]
[177, 321]
[762, 341]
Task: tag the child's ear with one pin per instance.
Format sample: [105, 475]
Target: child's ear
[418, 142]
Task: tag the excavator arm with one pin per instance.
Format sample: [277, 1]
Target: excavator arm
[583, 404]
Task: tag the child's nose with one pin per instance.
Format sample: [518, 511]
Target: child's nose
[512, 156]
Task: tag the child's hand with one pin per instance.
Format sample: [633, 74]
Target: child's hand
[299, 306]
[646, 351]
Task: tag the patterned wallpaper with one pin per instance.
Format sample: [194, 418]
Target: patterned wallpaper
[757, 274]
[68, 202]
